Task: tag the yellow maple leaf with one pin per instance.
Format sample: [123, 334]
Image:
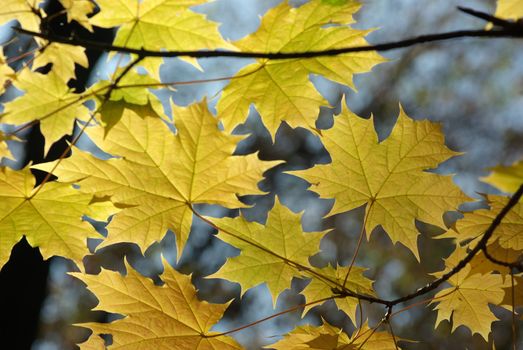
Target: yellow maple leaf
[50, 220]
[268, 252]
[132, 88]
[160, 174]
[281, 89]
[467, 300]
[508, 234]
[481, 264]
[510, 9]
[63, 57]
[4, 149]
[506, 178]
[157, 25]
[156, 317]
[56, 106]
[327, 337]
[77, 10]
[93, 343]
[390, 177]
[320, 288]
[367, 338]
[23, 12]
[309, 337]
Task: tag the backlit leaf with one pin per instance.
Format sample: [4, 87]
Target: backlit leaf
[50, 220]
[320, 288]
[467, 301]
[268, 252]
[56, 107]
[156, 317]
[22, 11]
[161, 175]
[389, 177]
[506, 178]
[280, 89]
[78, 10]
[510, 9]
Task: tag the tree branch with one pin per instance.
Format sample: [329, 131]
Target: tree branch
[518, 264]
[513, 31]
[480, 246]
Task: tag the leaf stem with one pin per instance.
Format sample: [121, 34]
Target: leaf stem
[294, 308]
[360, 239]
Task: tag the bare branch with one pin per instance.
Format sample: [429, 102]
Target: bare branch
[514, 31]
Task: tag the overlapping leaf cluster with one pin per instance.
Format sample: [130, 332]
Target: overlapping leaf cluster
[156, 176]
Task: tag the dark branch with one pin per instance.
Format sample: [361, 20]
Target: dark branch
[480, 246]
[514, 31]
[518, 264]
[489, 18]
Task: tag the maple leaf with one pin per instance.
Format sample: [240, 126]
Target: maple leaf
[77, 10]
[160, 175]
[320, 288]
[506, 178]
[132, 88]
[269, 253]
[327, 337]
[508, 234]
[306, 337]
[55, 107]
[389, 177]
[63, 57]
[367, 338]
[93, 343]
[4, 149]
[281, 89]
[467, 300]
[481, 264]
[50, 219]
[156, 317]
[159, 24]
[510, 9]
[23, 11]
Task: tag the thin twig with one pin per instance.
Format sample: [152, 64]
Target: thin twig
[513, 299]
[392, 334]
[358, 245]
[294, 308]
[489, 18]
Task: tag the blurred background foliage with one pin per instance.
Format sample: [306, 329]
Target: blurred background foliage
[473, 87]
